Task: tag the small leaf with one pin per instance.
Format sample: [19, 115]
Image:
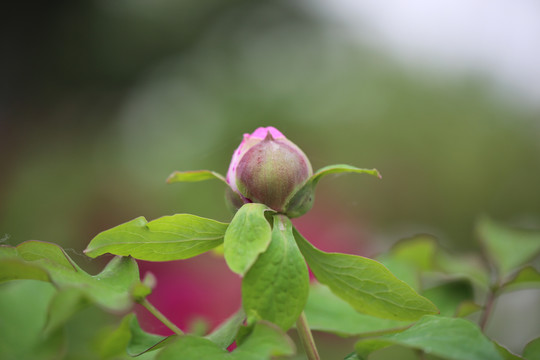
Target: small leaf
[508, 248]
[277, 285]
[327, 312]
[301, 201]
[109, 289]
[463, 267]
[448, 338]
[532, 350]
[342, 168]
[466, 308]
[247, 236]
[449, 296]
[365, 284]
[140, 341]
[265, 341]
[194, 176]
[175, 237]
[225, 334]
[527, 277]
[112, 342]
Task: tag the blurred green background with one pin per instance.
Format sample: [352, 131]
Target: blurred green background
[101, 100]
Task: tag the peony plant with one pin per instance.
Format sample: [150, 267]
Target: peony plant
[269, 181]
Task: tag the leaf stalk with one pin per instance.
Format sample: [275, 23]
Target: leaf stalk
[307, 338]
[152, 309]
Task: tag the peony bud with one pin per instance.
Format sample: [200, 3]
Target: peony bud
[269, 169]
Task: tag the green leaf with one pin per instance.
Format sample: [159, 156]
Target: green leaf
[525, 278]
[14, 269]
[277, 285]
[175, 237]
[466, 308]
[418, 251]
[341, 168]
[365, 284]
[63, 306]
[449, 296]
[327, 312]
[23, 314]
[463, 267]
[532, 350]
[109, 289]
[301, 201]
[265, 341]
[112, 342]
[505, 353]
[225, 334]
[401, 269]
[140, 341]
[448, 338]
[508, 248]
[247, 236]
[194, 176]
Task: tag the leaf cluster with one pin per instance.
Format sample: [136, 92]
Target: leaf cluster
[417, 295]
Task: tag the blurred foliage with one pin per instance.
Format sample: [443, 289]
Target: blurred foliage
[102, 100]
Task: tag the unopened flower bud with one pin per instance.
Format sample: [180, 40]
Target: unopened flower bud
[267, 168]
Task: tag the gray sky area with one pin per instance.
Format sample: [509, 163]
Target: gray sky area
[499, 39]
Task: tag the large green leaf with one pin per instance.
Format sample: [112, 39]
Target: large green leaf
[508, 248]
[174, 237]
[327, 312]
[247, 236]
[194, 176]
[110, 289]
[448, 338]
[265, 341]
[277, 285]
[365, 284]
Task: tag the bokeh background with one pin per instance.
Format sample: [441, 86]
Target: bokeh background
[101, 100]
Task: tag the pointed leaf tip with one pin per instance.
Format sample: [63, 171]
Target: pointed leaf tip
[194, 176]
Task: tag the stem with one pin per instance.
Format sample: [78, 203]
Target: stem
[160, 316]
[307, 338]
[487, 309]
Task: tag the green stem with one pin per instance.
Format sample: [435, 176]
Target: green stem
[160, 316]
[307, 338]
